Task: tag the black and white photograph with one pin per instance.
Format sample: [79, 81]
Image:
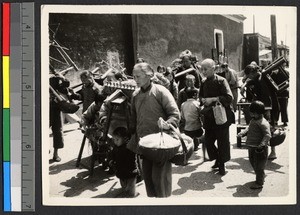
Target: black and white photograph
[168, 105]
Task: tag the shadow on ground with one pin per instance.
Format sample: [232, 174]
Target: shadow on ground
[115, 192]
[59, 167]
[244, 164]
[83, 182]
[189, 167]
[198, 181]
[244, 190]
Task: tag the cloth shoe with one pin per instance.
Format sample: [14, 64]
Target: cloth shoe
[256, 186]
[216, 165]
[222, 169]
[272, 156]
[56, 159]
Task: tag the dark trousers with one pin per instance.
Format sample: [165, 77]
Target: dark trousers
[158, 178]
[128, 186]
[56, 126]
[222, 151]
[283, 104]
[235, 98]
[195, 135]
[258, 161]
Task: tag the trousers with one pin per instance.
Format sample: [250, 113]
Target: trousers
[56, 126]
[158, 178]
[258, 161]
[221, 152]
[128, 186]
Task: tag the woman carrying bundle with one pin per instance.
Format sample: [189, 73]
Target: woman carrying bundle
[149, 103]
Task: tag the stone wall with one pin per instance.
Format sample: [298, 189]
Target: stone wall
[91, 38]
[162, 37]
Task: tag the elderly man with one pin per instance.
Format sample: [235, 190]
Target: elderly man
[214, 89]
[150, 102]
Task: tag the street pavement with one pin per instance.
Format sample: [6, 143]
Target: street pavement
[197, 179]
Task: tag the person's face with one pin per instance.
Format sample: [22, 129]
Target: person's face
[169, 77]
[186, 62]
[118, 140]
[264, 63]
[255, 115]
[190, 82]
[224, 69]
[207, 70]
[87, 80]
[252, 75]
[160, 70]
[142, 80]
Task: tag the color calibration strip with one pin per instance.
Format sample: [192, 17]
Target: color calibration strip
[18, 106]
[6, 106]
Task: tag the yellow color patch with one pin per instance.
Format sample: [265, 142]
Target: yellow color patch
[6, 86]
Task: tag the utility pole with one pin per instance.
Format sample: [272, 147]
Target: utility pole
[273, 38]
[253, 24]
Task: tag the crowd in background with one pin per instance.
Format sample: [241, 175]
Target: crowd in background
[183, 96]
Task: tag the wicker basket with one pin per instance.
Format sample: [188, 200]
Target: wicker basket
[278, 136]
[183, 155]
[158, 150]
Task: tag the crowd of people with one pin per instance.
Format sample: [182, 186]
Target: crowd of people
[186, 97]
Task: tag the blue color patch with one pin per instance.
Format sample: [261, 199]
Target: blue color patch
[6, 187]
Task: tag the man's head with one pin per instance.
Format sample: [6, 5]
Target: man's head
[264, 63]
[208, 67]
[86, 77]
[190, 81]
[224, 67]
[169, 74]
[251, 71]
[161, 69]
[142, 74]
[186, 58]
[140, 60]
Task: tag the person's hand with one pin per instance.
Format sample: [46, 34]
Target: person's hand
[208, 101]
[260, 145]
[242, 91]
[162, 124]
[240, 134]
[71, 91]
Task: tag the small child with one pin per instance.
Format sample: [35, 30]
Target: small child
[189, 83]
[258, 135]
[125, 162]
[190, 116]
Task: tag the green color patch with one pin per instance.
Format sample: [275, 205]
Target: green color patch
[6, 134]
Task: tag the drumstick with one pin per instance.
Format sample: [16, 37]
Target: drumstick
[184, 72]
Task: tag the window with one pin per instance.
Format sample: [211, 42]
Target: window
[219, 41]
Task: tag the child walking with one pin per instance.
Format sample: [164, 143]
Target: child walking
[125, 162]
[258, 135]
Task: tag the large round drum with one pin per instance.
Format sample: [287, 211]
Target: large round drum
[159, 147]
